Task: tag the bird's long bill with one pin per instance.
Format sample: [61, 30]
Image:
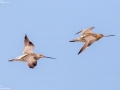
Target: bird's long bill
[49, 57]
[109, 35]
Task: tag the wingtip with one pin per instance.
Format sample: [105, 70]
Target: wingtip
[25, 35]
[76, 34]
[79, 53]
[79, 32]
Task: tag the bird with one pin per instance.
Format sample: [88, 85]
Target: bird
[28, 55]
[88, 38]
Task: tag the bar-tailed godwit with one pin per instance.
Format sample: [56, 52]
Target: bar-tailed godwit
[28, 55]
[88, 37]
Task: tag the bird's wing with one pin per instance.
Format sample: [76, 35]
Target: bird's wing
[87, 30]
[31, 61]
[89, 40]
[28, 46]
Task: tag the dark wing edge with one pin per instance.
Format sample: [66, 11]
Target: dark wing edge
[28, 45]
[78, 32]
[27, 41]
[85, 30]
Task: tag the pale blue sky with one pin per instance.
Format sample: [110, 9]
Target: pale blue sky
[50, 24]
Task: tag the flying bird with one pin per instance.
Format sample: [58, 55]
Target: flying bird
[88, 37]
[28, 55]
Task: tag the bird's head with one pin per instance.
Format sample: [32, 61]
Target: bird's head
[101, 35]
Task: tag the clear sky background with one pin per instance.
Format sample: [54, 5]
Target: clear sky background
[50, 25]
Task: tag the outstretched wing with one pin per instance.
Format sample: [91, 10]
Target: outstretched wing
[87, 30]
[89, 40]
[31, 61]
[28, 45]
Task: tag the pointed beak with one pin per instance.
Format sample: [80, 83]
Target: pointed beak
[48, 57]
[109, 35]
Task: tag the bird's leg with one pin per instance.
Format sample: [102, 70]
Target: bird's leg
[18, 58]
[13, 60]
[74, 40]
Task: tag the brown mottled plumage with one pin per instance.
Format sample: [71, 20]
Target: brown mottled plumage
[28, 55]
[88, 37]
[85, 31]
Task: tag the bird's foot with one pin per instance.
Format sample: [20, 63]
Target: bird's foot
[10, 60]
